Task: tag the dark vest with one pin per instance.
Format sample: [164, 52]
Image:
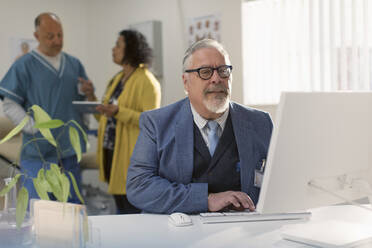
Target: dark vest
[222, 171]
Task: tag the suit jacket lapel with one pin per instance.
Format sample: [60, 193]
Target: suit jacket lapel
[184, 139]
[243, 131]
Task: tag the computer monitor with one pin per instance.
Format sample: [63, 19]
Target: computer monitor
[320, 139]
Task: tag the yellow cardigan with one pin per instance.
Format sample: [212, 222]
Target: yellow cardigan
[141, 93]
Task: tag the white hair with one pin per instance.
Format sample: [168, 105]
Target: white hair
[206, 43]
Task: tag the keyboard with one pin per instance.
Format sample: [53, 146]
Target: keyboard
[226, 217]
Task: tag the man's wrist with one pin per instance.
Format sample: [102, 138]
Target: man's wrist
[208, 200]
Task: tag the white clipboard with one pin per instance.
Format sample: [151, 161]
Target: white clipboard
[86, 106]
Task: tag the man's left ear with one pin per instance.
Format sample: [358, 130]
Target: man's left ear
[185, 84]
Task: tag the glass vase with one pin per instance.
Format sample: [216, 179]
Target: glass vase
[10, 235]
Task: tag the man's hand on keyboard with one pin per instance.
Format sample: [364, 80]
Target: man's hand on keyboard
[239, 200]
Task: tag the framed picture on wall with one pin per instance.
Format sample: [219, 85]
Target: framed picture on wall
[204, 27]
[21, 46]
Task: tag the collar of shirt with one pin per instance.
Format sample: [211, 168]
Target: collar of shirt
[54, 61]
[201, 122]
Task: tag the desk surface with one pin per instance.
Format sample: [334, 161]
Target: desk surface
[151, 230]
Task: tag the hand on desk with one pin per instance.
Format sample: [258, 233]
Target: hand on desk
[238, 200]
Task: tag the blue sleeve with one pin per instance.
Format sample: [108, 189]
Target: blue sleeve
[13, 85]
[82, 72]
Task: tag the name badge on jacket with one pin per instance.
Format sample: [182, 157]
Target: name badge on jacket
[258, 174]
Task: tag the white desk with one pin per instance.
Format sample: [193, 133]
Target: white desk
[151, 230]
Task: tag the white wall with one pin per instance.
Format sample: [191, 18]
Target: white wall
[91, 28]
[107, 18]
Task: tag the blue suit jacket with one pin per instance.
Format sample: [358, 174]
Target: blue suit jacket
[160, 172]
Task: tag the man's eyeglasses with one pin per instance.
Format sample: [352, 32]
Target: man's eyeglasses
[206, 73]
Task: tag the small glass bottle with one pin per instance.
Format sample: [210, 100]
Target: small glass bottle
[10, 235]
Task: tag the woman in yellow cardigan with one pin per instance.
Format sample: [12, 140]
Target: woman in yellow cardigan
[129, 93]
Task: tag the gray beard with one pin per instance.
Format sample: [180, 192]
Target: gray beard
[217, 105]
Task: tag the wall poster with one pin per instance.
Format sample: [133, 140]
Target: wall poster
[21, 46]
[203, 27]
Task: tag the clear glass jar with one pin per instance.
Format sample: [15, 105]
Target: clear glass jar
[10, 235]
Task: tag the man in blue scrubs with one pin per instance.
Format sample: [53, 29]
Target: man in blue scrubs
[47, 77]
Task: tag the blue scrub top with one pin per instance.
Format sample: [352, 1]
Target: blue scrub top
[32, 80]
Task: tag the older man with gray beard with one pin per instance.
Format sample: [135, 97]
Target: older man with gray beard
[199, 154]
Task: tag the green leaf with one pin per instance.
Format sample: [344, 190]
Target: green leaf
[48, 136]
[42, 180]
[75, 142]
[40, 189]
[55, 168]
[49, 124]
[10, 185]
[22, 202]
[83, 132]
[76, 188]
[65, 187]
[16, 130]
[40, 117]
[54, 182]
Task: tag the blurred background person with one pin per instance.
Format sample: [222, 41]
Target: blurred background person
[129, 93]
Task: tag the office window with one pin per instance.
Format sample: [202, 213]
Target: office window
[305, 45]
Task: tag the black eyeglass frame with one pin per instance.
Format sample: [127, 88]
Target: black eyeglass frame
[213, 69]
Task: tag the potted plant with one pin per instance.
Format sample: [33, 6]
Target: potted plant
[50, 179]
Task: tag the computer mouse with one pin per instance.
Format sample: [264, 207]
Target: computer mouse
[180, 219]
